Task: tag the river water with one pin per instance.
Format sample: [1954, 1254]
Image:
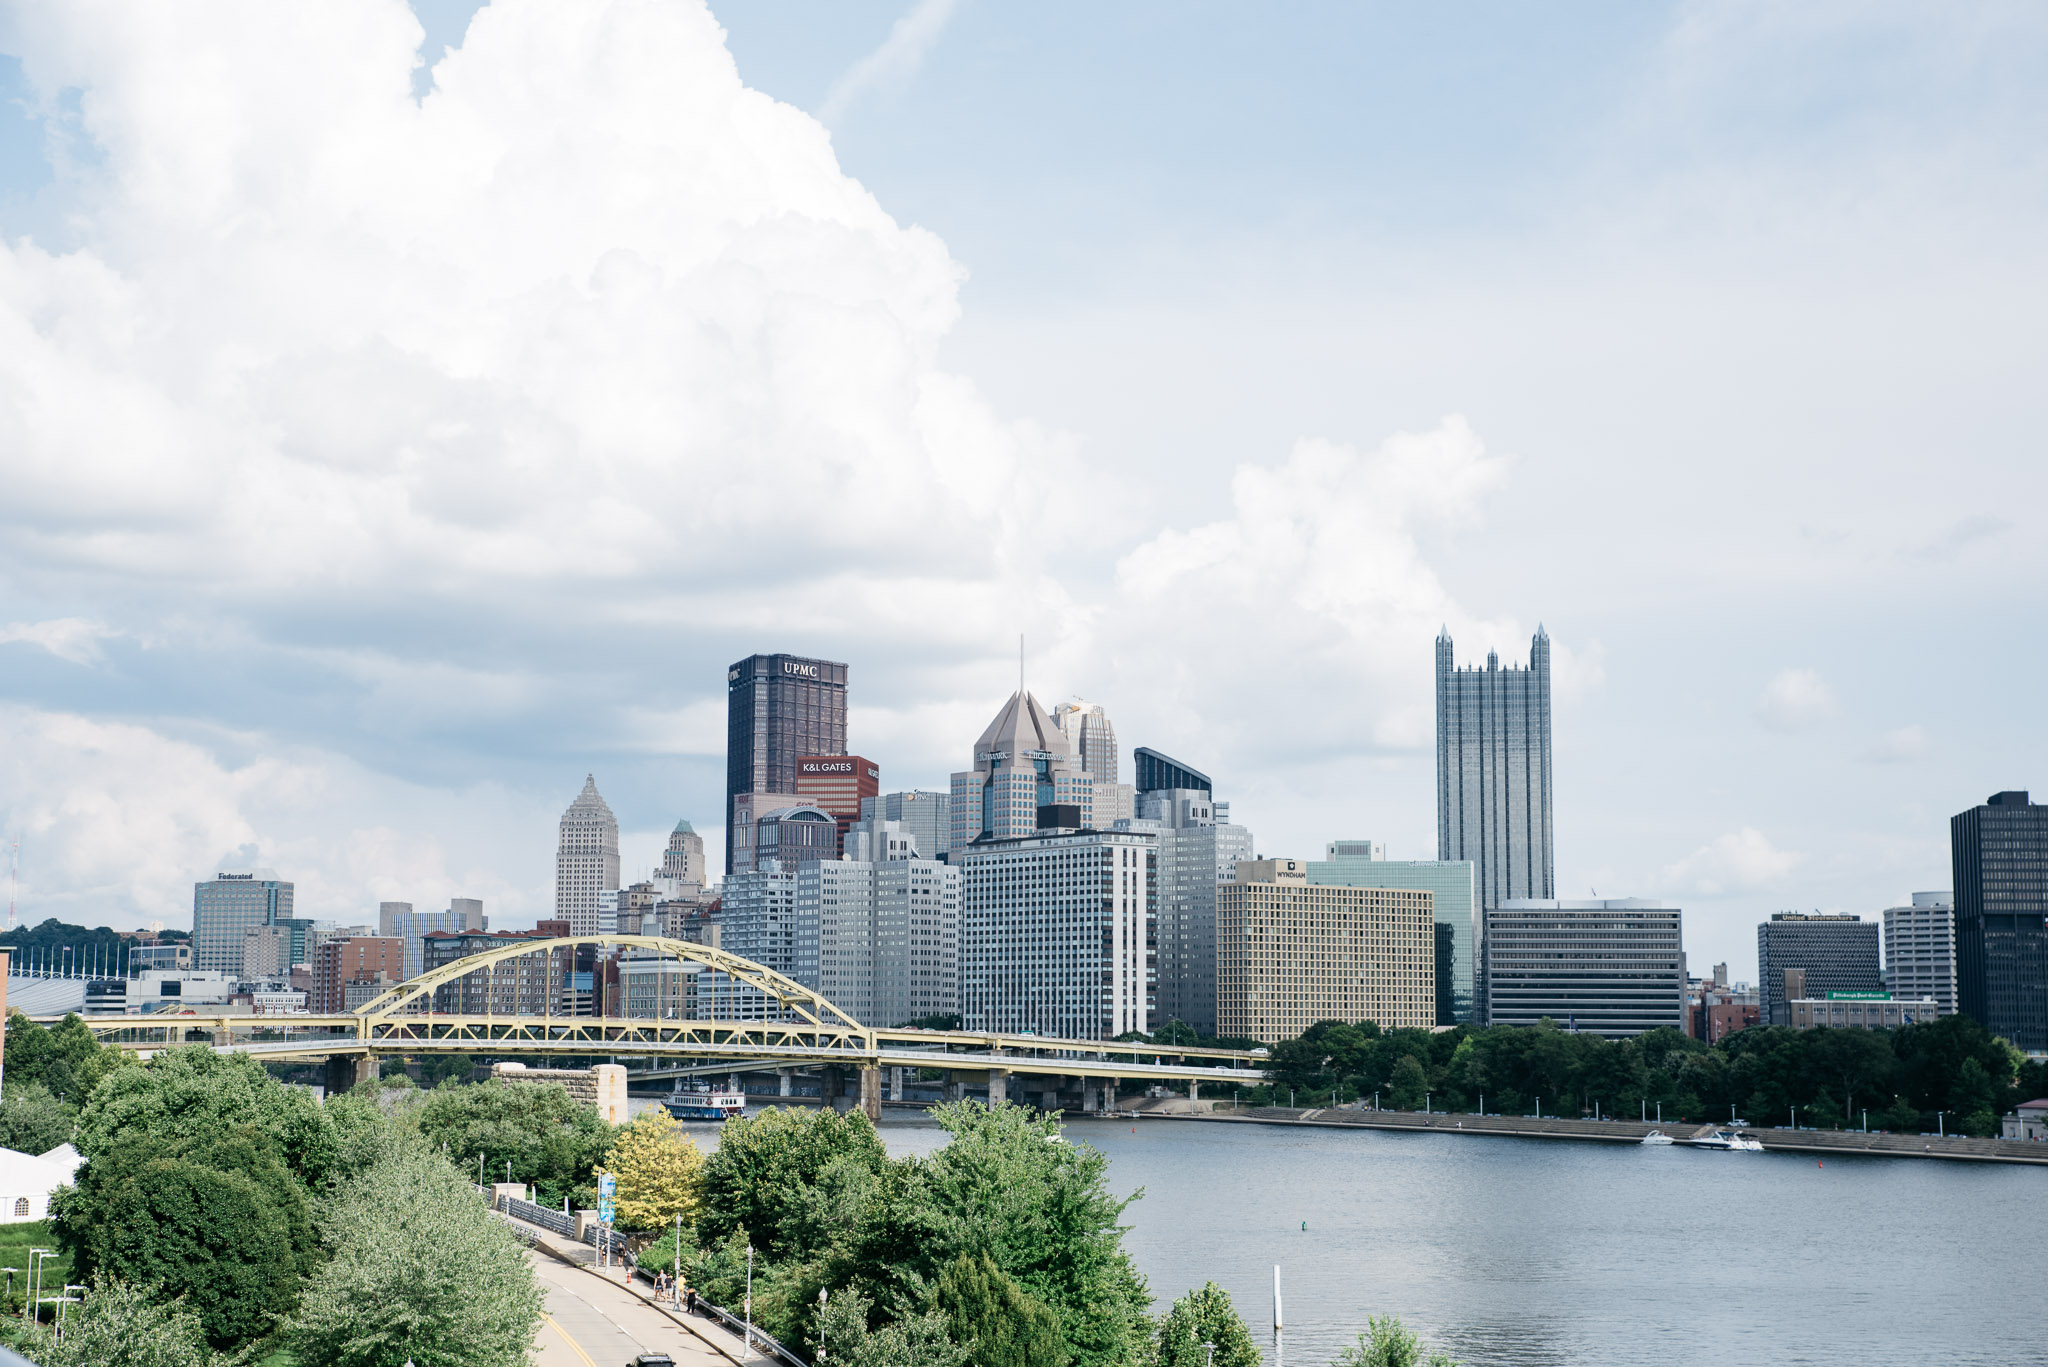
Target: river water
[1529, 1253]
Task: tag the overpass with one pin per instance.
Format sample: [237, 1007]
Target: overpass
[808, 1032]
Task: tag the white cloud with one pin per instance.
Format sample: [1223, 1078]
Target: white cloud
[73, 639]
[895, 61]
[1795, 700]
[1900, 746]
[1739, 861]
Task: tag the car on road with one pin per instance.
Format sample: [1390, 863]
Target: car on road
[652, 1360]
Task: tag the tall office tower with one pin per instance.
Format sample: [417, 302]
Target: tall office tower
[1613, 967]
[1057, 928]
[1836, 951]
[1021, 763]
[1450, 883]
[226, 906]
[1920, 950]
[927, 816]
[2000, 853]
[887, 935]
[1493, 772]
[266, 954]
[388, 914]
[586, 860]
[838, 784]
[1092, 741]
[683, 861]
[778, 708]
[1199, 849]
[347, 973]
[757, 920]
[1290, 953]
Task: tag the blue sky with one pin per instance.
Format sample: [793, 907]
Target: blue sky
[1713, 329]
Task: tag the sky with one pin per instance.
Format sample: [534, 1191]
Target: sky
[408, 410]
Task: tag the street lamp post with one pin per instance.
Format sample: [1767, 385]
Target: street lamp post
[1212, 1353]
[747, 1351]
[1795, 1117]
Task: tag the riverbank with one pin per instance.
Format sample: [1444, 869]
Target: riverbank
[1843, 1142]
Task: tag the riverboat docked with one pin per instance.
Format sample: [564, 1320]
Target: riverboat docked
[1658, 1137]
[705, 1103]
[1729, 1141]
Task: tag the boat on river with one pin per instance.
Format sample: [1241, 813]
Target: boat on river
[1729, 1141]
[705, 1103]
[1658, 1137]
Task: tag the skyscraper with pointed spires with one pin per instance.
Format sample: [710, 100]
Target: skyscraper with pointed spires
[586, 859]
[1493, 771]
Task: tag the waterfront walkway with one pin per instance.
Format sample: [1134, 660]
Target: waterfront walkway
[595, 1318]
[1822, 1142]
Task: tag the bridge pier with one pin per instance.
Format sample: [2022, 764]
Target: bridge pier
[348, 1070]
[832, 1087]
[1192, 1085]
[998, 1086]
[953, 1088]
[785, 1081]
[871, 1092]
[896, 1083]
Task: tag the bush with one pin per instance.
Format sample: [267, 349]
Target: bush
[995, 1320]
[1206, 1316]
[1389, 1343]
[33, 1120]
[118, 1324]
[421, 1269]
[763, 1176]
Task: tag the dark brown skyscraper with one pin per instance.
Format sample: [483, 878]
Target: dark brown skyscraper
[778, 710]
[2001, 870]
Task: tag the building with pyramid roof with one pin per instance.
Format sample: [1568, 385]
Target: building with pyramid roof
[684, 858]
[1023, 762]
[586, 860]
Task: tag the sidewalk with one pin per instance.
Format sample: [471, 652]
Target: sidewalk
[610, 1317]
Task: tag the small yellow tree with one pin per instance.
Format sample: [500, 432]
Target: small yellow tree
[660, 1171]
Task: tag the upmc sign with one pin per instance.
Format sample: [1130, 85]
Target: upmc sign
[800, 669]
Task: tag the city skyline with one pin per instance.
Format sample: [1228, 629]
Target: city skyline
[1584, 330]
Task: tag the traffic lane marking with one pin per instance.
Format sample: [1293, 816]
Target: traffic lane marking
[574, 1346]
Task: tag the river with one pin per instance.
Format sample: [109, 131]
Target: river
[1529, 1253]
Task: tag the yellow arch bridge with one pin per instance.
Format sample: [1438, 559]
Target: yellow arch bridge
[801, 1029]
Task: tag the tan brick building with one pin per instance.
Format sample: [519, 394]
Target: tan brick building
[1290, 953]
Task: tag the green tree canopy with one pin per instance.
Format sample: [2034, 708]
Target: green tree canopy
[215, 1219]
[1389, 1343]
[1206, 1316]
[119, 1324]
[549, 1140]
[194, 1093]
[766, 1175]
[65, 1057]
[33, 1120]
[421, 1270]
[994, 1319]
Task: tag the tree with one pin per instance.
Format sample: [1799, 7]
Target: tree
[1409, 1085]
[763, 1176]
[1389, 1343]
[194, 1093]
[217, 1220]
[65, 1058]
[919, 1341]
[421, 1270]
[660, 1171]
[119, 1324]
[548, 1139]
[994, 1319]
[1205, 1316]
[33, 1120]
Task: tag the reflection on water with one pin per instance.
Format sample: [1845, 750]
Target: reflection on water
[1534, 1253]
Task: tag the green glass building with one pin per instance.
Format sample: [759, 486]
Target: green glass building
[1363, 864]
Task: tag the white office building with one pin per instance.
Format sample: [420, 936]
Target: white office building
[1058, 932]
[586, 860]
[887, 933]
[1920, 950]
[1613, 966]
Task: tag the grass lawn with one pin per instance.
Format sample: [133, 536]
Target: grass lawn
[15, 1242]
[281, 1358]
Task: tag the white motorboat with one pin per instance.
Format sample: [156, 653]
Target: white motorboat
[1730, 1141]
[1658, 1137]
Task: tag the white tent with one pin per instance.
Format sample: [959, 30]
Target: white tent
[26, 1181]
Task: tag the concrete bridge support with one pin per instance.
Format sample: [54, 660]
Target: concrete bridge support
[954, 1089]
[896, 1083]
[832, 1087]
[347, 1070]
[871, 1092]
[998, 1086]
[784, 1081]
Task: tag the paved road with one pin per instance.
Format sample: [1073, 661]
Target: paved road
[595, 1323]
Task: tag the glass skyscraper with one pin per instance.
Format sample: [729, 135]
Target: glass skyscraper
[2001, 870]
[778, 709]
[1493, 772]
[229, 904]
[1364, 864]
